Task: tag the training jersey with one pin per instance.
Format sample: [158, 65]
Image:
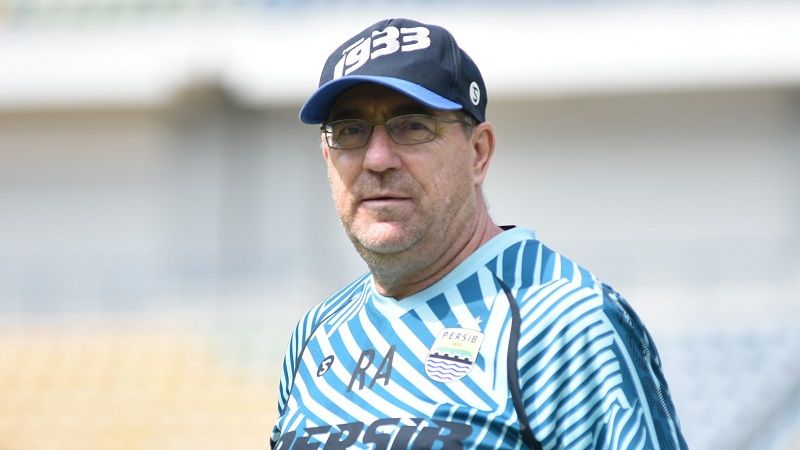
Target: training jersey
[517, 347]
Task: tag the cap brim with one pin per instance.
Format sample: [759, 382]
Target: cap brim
[317, 108]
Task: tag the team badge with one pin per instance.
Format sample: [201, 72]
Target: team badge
[453, 354]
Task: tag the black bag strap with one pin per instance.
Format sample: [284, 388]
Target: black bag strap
[513, 371]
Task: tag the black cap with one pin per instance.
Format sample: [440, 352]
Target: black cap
[421, 61]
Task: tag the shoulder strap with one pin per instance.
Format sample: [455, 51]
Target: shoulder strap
[513, 371]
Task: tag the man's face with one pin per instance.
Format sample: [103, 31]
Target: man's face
[393, 198]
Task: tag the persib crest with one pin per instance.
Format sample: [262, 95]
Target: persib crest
[453, 354]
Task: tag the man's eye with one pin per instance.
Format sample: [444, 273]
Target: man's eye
[412, 124]
[416, 125]
[351, 130]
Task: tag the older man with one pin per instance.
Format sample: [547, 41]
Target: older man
[463, 334]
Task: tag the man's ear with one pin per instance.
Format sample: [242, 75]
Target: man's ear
[483, 145]
[326, 152]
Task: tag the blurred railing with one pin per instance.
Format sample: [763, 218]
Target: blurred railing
[78, 12]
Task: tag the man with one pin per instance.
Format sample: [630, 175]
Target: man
[463, 334]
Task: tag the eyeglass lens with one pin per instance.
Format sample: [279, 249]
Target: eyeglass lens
[405, 130]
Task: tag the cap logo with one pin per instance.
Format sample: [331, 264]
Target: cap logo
[474, 93]
[381, 43]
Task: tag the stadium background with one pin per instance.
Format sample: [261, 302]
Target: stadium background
[164, 218]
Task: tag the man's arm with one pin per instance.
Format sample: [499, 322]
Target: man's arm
[590, 374]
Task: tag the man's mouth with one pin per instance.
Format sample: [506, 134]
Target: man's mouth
[384, 199]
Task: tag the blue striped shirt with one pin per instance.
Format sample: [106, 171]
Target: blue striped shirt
[517, 347]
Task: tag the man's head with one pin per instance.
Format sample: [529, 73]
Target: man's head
[421, 61]
[405, 163]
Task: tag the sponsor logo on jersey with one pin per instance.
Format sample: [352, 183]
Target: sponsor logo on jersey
[453, 354]
[325, 365]
[401, 433]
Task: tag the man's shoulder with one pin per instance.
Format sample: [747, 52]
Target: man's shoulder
[351, 292]
[538, 265]
[559, 288]
[555, 285]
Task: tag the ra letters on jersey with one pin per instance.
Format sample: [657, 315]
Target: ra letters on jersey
[367, 360]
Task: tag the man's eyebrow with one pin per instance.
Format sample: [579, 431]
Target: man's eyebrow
[345, 114]
[412, 108]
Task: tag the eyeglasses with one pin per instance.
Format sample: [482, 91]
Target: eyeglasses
[406, 129]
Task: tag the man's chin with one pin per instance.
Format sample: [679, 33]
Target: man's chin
[384, 239]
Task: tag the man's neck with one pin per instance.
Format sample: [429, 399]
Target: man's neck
[401, 275]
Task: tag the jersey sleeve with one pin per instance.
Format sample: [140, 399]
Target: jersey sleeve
[652, 412]
[297, 341]
[590, 375]
[302, 332]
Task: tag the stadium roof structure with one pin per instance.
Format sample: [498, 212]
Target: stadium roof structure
[273, 55]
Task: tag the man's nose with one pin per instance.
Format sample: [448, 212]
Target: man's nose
[381, 152]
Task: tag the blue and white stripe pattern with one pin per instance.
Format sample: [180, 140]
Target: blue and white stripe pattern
[587, 371]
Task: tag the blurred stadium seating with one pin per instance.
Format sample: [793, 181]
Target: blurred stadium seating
[104, 383]
[124, 384]
[734, 389]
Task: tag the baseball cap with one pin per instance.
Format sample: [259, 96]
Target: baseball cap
[421, 61]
